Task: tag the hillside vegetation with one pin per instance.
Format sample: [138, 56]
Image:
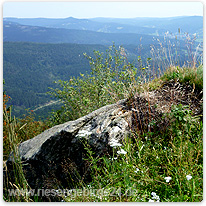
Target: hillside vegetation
[39, 51]
[152, 165]
[30, 68]
[27, 33]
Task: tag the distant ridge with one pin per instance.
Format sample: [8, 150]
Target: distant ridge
[143, 25]
[16, 32]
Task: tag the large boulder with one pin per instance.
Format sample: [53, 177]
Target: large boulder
[58, 155]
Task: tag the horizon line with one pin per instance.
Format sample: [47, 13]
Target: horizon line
[101, 17]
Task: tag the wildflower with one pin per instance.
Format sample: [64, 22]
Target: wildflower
[151, 200]
[115, 158]
[122, 152]
[143, 68]
[189, 177]
[137, 169]
[168, 179]
[155, 197]
[115, 143]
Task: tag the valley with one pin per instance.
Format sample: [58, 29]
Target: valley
[37, 52]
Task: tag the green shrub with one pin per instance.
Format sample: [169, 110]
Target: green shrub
[111, 78]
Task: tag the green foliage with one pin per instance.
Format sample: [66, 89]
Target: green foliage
[139, 170]
[135, 171]
[182, 121]
[16, 131]
[11, 143]
[22, 129]
[30, 68]
[111, 78]
[185, 74]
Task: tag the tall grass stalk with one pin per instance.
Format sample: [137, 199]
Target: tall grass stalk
[20, 181]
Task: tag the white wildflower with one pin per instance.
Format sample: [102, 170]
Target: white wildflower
[155, 197]
[115, 143]
[115, 158]
[151, 200]
[137, 170]
[168, 179]
[189, 177]
[122, 152]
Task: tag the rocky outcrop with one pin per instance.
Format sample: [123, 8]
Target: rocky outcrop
[58, 155]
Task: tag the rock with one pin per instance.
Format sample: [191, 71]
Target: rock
[58, 155]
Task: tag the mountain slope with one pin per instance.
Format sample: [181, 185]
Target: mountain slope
[30, 68]
[190, 24]
[17, 32]
[141, 25]
[83, 24]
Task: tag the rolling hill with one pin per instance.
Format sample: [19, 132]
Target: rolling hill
[18, 32]
[83, 24]
[140, 25]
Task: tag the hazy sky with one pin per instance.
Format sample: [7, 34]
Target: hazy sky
[101, 9]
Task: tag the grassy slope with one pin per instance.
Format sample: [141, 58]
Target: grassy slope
[139, 174]
[176, 153]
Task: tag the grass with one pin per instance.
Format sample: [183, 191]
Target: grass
[138, 169]
[141, 170]
[18, 179]
[185, 74]
[139, 174]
